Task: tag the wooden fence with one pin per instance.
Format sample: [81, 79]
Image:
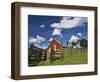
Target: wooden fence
[38, 55]
[60, 53]
[35, 56]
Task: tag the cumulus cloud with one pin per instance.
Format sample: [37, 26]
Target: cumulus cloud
[38, 39]
[41, 26]
[79, 34]
[50, 39]
[73, 38]
[69, 22]
[32, 40]
[37, 45]
[57, 32]
[43, 46]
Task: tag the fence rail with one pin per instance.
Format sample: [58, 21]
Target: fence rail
[38, 55]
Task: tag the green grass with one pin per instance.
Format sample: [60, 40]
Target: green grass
[69, 59]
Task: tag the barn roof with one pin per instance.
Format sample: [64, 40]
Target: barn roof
[54, 41]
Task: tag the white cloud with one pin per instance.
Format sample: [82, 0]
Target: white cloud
[43, 46]
[50, 39]
[32, 40]
[38, 39]
[79, 34]
[37, 45]
[57, 32]
[41, 26]
[69, 22]
[74, 39]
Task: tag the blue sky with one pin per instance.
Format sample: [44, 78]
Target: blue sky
[42, 29]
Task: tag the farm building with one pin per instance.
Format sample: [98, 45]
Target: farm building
[55, 43]
[53, 46]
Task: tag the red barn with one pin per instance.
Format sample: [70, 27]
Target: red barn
[54, 43]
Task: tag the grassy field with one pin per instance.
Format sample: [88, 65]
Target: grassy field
[69, 59]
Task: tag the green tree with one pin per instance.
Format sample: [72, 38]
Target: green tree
[84, 43]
